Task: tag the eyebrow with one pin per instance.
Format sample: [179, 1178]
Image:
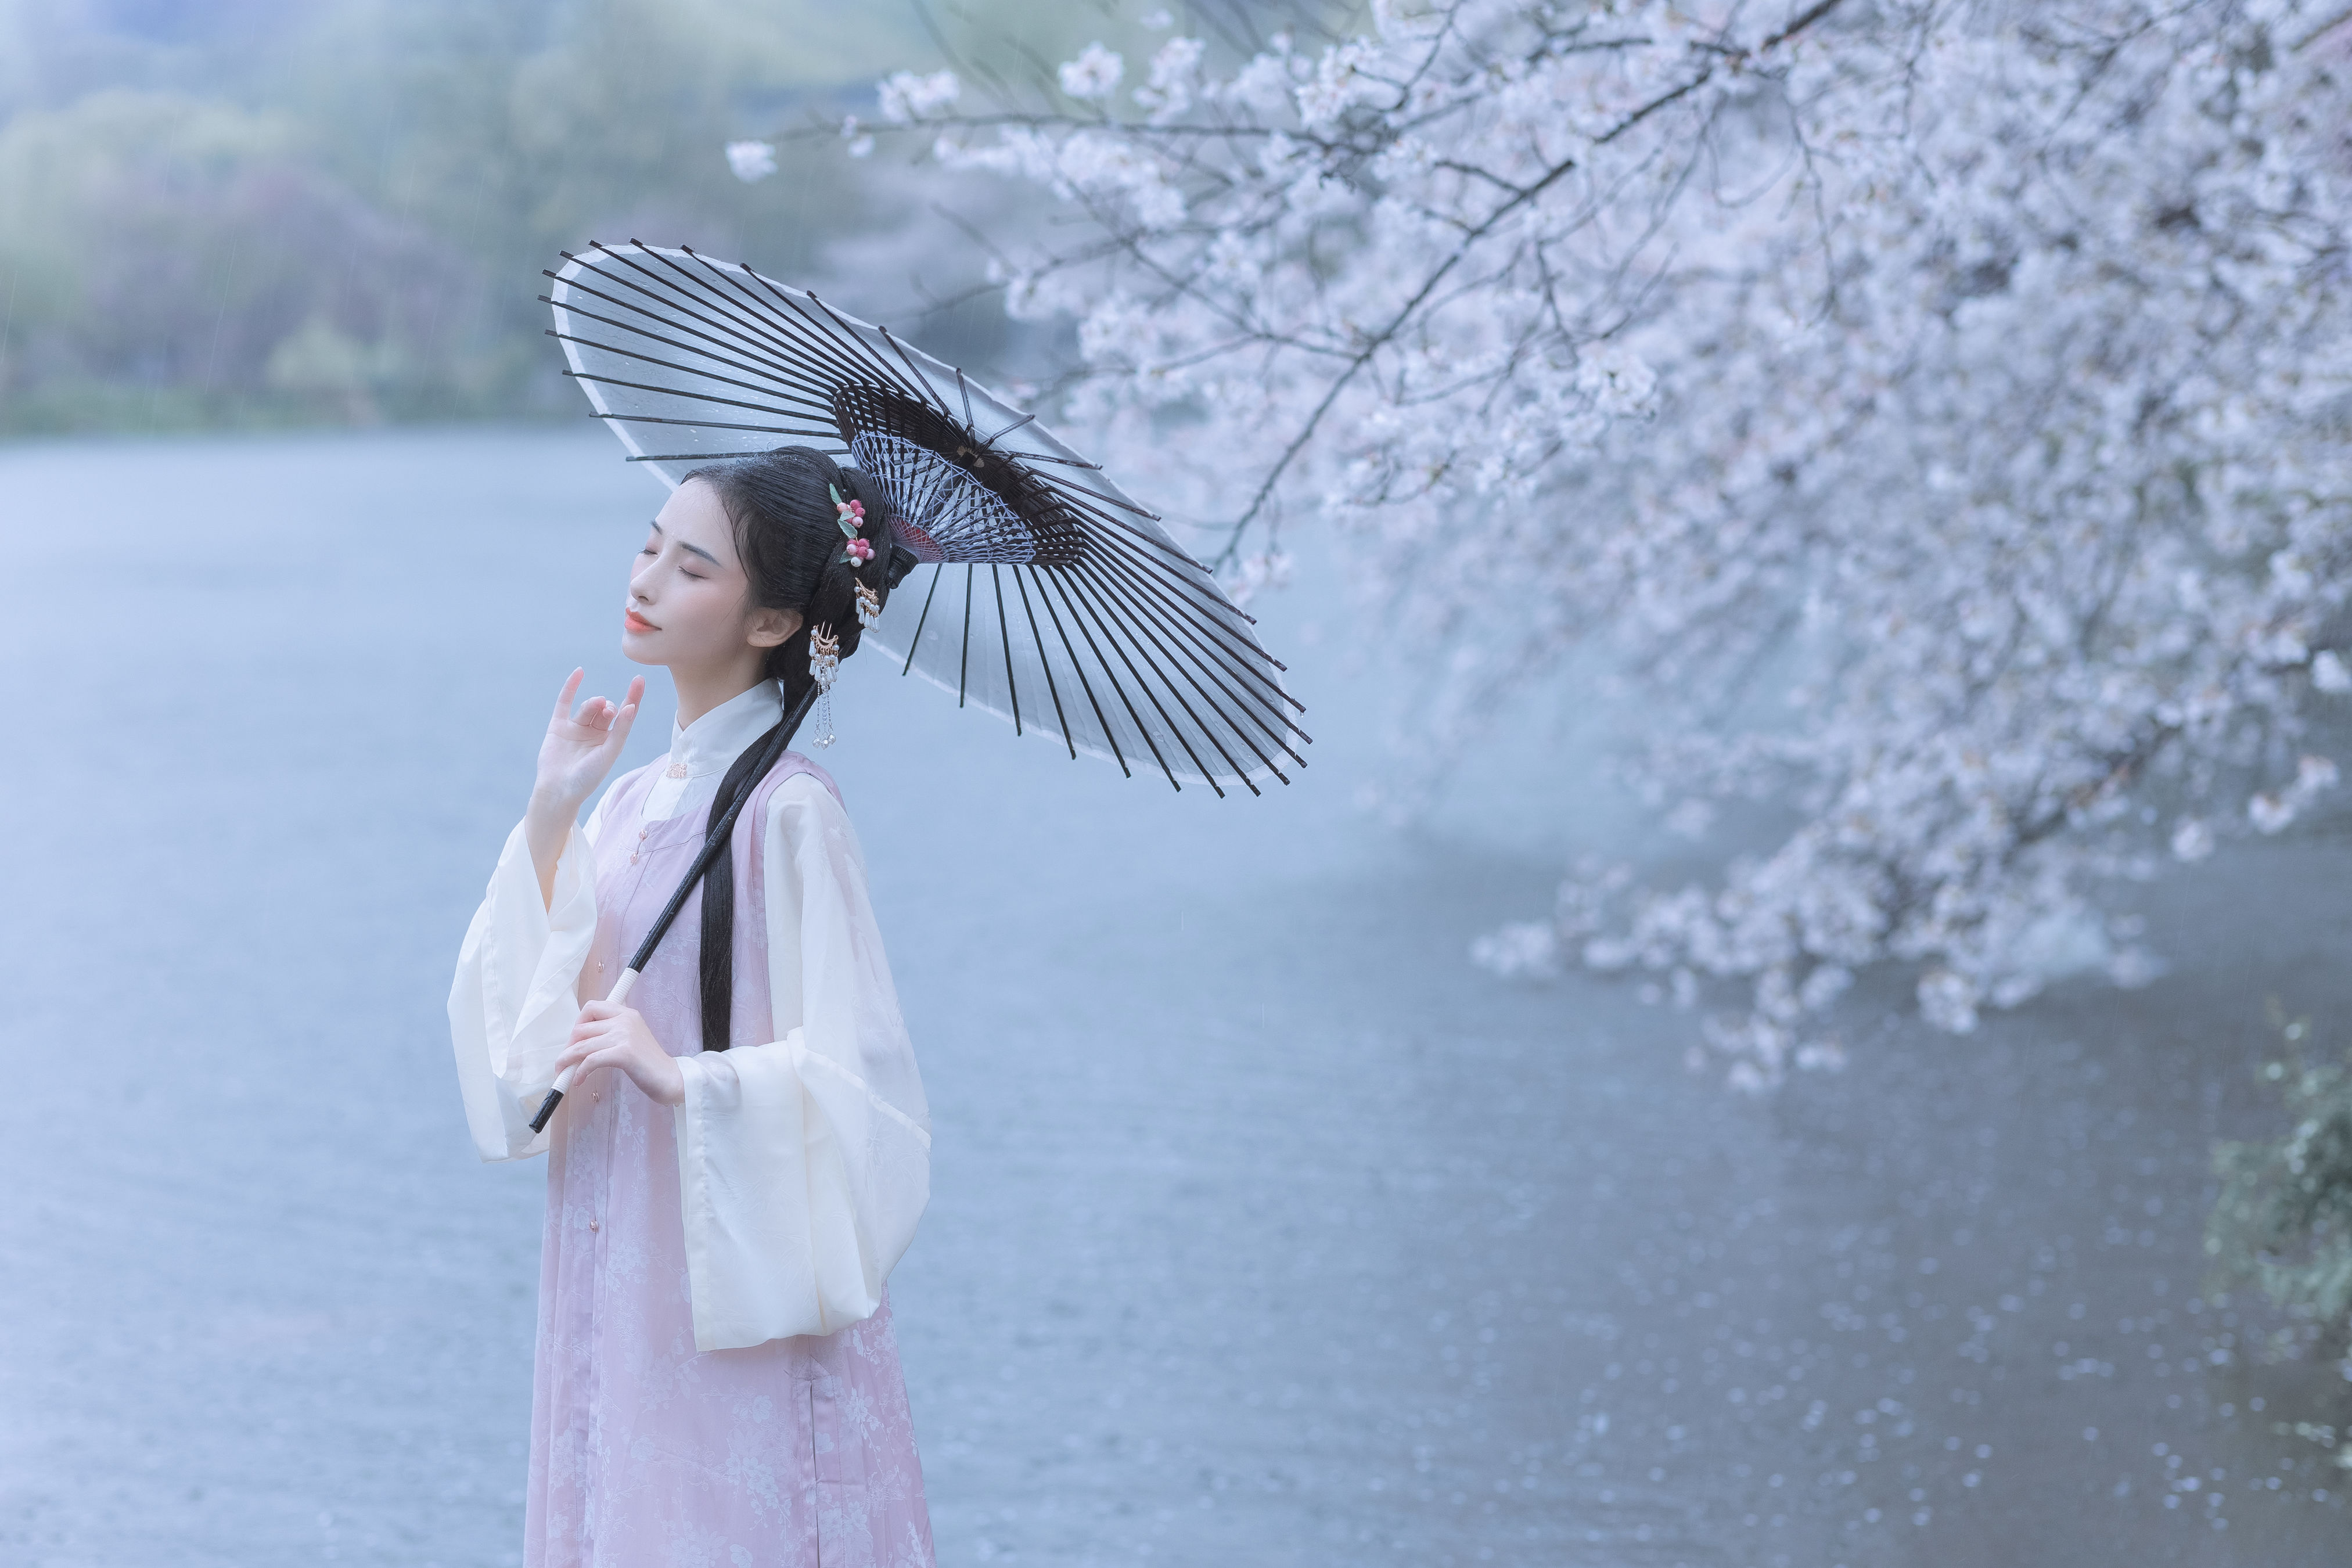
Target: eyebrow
[690, 550]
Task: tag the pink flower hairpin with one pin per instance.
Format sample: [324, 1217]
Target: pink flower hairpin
[851, 515]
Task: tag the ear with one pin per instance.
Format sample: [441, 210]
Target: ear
[773, 629]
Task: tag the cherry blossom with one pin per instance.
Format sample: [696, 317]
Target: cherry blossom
[751, 160]
[1935, 415]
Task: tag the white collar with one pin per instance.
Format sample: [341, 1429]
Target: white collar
[714, 741]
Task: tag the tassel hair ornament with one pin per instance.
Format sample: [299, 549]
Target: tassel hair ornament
[824, 669]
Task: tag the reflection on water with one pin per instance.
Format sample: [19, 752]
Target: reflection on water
[1266, 1231]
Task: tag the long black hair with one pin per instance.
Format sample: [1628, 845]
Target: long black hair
[788, 535]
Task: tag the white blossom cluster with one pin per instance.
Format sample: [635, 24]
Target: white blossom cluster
[1942, 409]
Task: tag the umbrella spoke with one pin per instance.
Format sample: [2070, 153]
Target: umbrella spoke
[781, 375]
[1234, 707]
[1205, 638]
[921, 621]
[1063, 587]
[1085, 606]
[1044, 660]
[764, 339]
[1109, 603]
[1004, 630]
[666, 364]
[1110, 735]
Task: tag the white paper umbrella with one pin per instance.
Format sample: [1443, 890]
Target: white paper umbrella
[1053, 599]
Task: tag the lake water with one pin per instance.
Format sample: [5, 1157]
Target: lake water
[1266, 1230]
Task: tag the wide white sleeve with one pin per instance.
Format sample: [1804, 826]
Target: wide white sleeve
[515, 997]
[804, 1162]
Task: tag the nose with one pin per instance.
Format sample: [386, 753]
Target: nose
[641, 580]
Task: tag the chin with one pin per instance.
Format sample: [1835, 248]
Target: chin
[636, 647]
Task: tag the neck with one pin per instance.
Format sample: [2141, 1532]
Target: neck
[700, 690]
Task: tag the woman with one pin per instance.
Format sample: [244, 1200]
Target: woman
[744, 1151]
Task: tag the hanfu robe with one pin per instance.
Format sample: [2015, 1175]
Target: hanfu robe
[717, 1381]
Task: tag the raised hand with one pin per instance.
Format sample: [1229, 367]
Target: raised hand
[578, 751]
[580, 747]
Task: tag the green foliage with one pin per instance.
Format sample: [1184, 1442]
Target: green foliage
[338, 212]
[2284, 1221]
[272, 211]
[159, 247]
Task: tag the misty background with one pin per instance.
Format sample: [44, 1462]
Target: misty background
[1269, 1229]
[259, 213]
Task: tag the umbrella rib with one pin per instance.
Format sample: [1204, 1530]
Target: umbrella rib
[765, 332]
[694, 396]
[1240, 709]
[1016, 424]
[1142, 574]
[696, 297]
[666, 364]
[921, 621]
[1189, 581]
[1109, 734]
[1176, 564]
[1140, 618]
[921, 394]
[1212, 622]
[1177, 617]
[1080, 498]
[963, 669]
[782, 374]
[1004, 630]
[696, 424]
[643, 302]
[840, 336]
[1021, 585]
[1109, 604]
[1120, 502]
[912, 369]
[1111, 675]
[812, 352]
[697, 456]
[849, 359]
[1145, 687]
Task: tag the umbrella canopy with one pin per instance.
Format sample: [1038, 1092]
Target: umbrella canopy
[1053, 599]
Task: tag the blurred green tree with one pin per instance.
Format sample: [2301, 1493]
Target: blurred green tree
[265, 212]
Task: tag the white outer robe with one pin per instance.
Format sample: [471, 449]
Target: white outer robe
[804, 1161]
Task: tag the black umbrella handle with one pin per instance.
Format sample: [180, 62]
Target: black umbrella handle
[714, 844]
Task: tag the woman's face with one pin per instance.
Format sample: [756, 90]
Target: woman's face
[689, 603]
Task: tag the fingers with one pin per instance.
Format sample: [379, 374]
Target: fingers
[626, 716]
[599, 1008]
[563, 697]
[598, 713]
[585, 1060]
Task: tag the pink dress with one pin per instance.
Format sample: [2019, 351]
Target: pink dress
[644, 1454]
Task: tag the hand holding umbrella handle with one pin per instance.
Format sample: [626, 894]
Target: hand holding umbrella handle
[618, 994]
[714, 843]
